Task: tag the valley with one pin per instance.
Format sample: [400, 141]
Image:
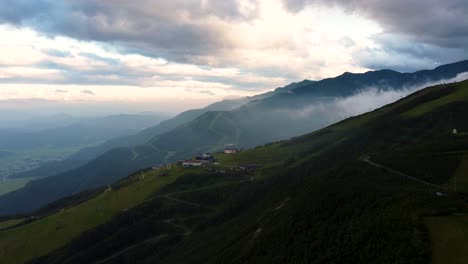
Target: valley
[27, 160]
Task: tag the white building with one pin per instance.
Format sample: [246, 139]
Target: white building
[230, 150]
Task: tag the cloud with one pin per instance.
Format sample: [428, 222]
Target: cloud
[438, 27]
[178, 26]
[328, 111]
[415, 33]
[243, 34]
[372, 98]
[400, 54]
[211, 45]
[88, 60]
[437, 22]
[61, 91]
[29, 74]
[109, 98]
[208, 92]
[87, 91]
[78, 62]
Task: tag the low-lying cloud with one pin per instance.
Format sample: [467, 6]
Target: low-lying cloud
[371, 98]
[328, 111]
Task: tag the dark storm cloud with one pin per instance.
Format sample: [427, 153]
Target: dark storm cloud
[442, 23]
[16, 11]
[404, 55]
[177, 29]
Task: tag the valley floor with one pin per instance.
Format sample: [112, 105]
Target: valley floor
[9, 185]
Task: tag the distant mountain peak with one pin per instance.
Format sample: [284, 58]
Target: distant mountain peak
[347, 83]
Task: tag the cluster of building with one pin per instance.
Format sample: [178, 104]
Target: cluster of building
[199, 160]
[207, 158]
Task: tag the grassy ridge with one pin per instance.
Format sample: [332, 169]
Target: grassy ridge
[46, 234]
[460, 94]
[10, 223]
[459, 181]
[449, 236]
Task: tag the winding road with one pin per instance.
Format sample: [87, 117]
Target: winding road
[367, 160]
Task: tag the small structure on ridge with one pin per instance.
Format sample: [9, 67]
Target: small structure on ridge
[230, 149]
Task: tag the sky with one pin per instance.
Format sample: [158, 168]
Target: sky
[98, 56]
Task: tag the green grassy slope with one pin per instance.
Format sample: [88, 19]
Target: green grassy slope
[48, 233]
[208, 133]
[9, 223]
[459, 181]
[109, 168]
[449, 237]
[459, 95]
[314, 199]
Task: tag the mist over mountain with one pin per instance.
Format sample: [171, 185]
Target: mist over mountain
[83, 132]
[301, 108]
[56, 138]
[28, 122]
[5, 154]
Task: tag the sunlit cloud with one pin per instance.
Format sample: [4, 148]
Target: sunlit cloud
[206, 50]
[38, 74]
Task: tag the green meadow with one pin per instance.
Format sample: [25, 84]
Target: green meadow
[51, 232]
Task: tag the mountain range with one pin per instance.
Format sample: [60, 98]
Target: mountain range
[284, 113]
[388, 186]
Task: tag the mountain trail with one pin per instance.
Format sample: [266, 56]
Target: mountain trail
[367, 160]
